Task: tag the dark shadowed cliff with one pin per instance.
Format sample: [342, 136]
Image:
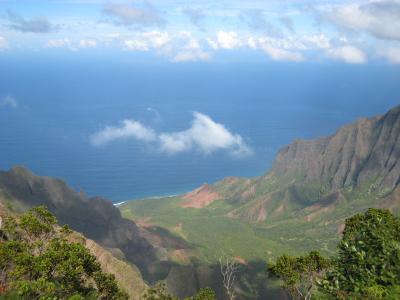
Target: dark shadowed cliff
[96, 218]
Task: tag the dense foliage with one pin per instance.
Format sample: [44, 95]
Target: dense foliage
[299, 274]
[159, 292]
[367, 265]
[37, 261]
[368, 262]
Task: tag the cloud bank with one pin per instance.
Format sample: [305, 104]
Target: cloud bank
[350, 31]
[35, 25]
[203, 136]
[142, 14]
[348, 54]
[378, 18]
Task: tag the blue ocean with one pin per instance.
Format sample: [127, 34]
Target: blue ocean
[60, 103]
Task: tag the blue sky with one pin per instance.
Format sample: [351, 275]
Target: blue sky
[177, 31]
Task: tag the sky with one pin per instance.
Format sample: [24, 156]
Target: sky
[178, 31]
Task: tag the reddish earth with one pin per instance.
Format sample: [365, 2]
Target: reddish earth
[262, 215]
[240, 260]
[181, 255]
[341, 228]
[200, 197]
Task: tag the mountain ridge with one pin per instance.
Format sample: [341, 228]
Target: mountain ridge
[301, 203]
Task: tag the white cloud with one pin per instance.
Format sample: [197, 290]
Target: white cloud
[59, 43]
[3, 43]
[348, 54]
[278, 49]
[128, 129]
[392, 54]
[71, 45]
[136, 45]
[9, 101]
[317, 40]
[191, 55]
[188, 41]
[87, 43]
[280, 54]
[225, 40]
[156, 39]
[138, 13]
[379, 18]
[179, 47]
[204, 136]
[35, 25]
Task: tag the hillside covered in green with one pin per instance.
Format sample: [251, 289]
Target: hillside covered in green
[298, 206]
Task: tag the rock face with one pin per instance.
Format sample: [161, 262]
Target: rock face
[368, 150]
[96, 218]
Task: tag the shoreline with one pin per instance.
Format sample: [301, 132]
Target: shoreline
[154, 197]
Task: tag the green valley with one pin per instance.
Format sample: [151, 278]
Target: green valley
[300, 205]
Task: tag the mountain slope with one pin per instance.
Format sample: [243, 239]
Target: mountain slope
[126, 275]
[96, 218]
[299, 205]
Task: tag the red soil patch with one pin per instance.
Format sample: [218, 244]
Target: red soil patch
[262, 215]
[200, 197]
[240, 260]
[341, 228]
[181, 255]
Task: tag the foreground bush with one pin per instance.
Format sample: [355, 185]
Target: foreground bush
[367, 265]
[38, 262]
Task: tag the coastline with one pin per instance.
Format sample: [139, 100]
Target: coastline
[149, 198]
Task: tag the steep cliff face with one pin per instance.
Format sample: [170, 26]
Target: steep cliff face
[360, 161]
[96, 218]
[367, 151]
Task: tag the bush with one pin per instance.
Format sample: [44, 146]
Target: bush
[38, 262]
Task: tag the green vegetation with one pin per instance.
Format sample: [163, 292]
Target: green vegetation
[368, 261]
[367, 265]
[37, 261]
[208, 230]
[159, 292]
[299, 274]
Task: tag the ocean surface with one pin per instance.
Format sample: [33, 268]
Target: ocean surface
[62, 102]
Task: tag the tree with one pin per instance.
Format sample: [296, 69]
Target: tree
[159, 292]
[228, 268]
[368, 260]
[299, 274]
[38, 262]
[204, 294]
